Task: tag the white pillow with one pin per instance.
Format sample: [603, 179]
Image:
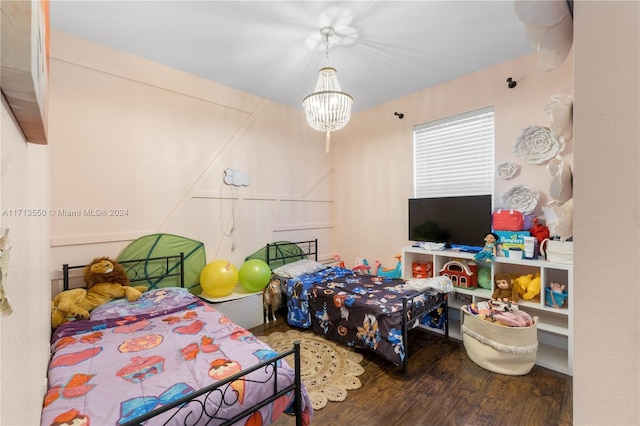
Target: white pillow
[298, 268]
[441, 284]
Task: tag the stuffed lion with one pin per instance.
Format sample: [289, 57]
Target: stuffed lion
[104, 270]
[106, 280]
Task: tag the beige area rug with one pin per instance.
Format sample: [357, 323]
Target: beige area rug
[328, 370]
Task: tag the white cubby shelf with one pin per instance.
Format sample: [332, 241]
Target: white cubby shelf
[555, 325]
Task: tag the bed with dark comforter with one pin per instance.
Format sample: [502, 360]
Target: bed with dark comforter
[371, 312]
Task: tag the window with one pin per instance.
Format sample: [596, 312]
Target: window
[454, 156]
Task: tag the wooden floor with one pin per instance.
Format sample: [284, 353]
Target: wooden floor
[443, 387]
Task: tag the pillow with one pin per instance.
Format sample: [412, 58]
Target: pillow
[441, 284]
[153, 301]
[298, 268]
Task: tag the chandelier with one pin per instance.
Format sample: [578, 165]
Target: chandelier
[327, 108]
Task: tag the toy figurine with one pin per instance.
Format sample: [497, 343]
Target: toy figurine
[388, 272]
[489, 251]
[271, 299]
[505, 290]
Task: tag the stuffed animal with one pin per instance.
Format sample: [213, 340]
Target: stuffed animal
[106, 280]
[533, 288]
[77, 303]
[271, 299]
[104, 270]
[521, 283]
[505, 290]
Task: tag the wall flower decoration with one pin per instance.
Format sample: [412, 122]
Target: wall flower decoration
[560, 111]
[536, 144]
[506, 170]
[521, 198]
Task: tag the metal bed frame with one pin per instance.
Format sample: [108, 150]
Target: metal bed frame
[194, 404]
[285, 250]
[150, 270]
[196, 408]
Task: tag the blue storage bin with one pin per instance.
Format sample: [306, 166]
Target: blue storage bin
[555, 299]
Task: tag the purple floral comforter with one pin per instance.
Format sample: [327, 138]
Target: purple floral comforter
[110, 370]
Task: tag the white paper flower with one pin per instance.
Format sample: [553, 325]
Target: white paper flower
[536, 144]
[561, 116]
[521, 198]
[506, 170]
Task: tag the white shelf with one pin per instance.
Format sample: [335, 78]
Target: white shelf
[553, 358]
[555, 325]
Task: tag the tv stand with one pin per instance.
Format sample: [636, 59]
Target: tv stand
[555, 325]
[466, 249]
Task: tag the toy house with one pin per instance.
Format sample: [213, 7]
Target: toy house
[462, 274]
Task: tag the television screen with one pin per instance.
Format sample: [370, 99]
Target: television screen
[456, 221]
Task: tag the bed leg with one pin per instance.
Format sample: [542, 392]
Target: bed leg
[405, 336]
[298, 380]
[446, 317]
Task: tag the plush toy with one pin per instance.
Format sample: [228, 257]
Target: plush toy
[106, 280]
[532, 286]
[557, 287]
[271, 299]
[505, 290]
[104, 270]
[521, 283]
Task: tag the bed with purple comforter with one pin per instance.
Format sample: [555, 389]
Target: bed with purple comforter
[131, 358]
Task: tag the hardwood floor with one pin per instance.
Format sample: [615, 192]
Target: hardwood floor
[443, 387]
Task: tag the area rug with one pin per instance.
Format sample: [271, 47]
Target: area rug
[328, 370]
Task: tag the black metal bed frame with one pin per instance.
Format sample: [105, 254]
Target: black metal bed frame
[195, 403]
[286, 250]
[139, 272]
[410, 312]
[197, 410]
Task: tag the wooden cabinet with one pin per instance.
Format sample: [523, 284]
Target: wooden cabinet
[555, 324]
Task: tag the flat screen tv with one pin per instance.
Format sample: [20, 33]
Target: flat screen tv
[459, 222]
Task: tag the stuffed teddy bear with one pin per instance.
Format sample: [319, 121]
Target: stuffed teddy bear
[505, 290]
[106, 280]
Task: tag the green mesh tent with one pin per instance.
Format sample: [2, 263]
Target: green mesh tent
[150, 247]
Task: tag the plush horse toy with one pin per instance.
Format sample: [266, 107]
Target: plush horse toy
[271, 299]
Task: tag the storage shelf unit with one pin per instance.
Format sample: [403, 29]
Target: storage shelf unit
[555, 325]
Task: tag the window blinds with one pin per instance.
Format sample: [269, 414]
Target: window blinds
[454, 156]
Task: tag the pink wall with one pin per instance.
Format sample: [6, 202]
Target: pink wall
[130, 134]
[364, 170]
[373, 158]
[607, 219]
[25, 333]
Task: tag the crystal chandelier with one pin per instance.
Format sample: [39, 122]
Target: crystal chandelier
[327, 108]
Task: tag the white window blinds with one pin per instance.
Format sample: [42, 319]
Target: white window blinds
[454, 156]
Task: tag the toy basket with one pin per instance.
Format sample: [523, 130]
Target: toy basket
[498, 348]
[555, 299]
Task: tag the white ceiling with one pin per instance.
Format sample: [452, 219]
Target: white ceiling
[382, 50]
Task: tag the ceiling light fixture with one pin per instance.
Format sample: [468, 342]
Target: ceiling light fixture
[328, 108]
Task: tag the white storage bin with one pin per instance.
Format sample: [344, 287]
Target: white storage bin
[498, 348]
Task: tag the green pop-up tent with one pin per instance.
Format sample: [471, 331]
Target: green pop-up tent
[148, 248]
